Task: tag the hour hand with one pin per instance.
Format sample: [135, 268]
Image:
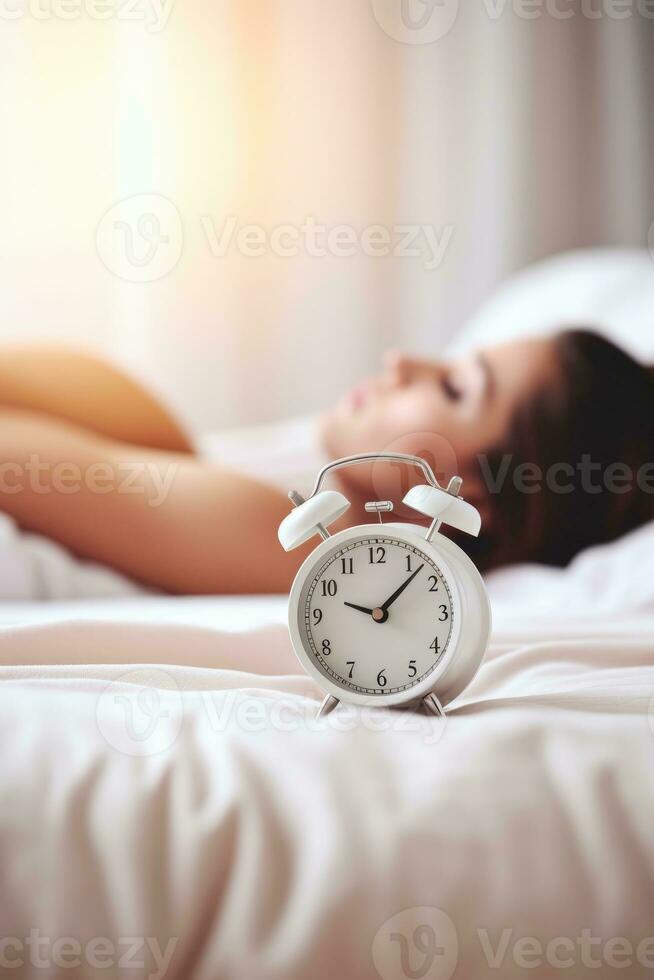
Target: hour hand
[362, 609]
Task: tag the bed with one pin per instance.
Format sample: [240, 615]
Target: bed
[170, 805]
[178, 805]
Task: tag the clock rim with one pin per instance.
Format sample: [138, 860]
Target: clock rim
[410, 536]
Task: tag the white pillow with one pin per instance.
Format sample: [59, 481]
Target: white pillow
[614, 578]
[610, 289]
[613, 291]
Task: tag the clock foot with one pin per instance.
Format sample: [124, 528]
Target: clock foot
[433, 705]
[327, 706]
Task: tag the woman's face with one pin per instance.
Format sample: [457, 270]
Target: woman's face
[448, 412]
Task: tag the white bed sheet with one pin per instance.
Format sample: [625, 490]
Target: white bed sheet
[163, 778]
[263, 844]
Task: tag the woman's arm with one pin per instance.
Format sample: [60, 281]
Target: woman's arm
[165, 519]
[87, 391]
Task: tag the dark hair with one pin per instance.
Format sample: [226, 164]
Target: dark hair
[600, 413]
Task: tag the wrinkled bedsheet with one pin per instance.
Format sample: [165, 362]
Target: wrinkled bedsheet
[169, 805]
[206, 813]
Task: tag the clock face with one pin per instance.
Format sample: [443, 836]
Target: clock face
[376, 615]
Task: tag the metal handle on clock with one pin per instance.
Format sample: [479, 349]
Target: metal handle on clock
[339, 464]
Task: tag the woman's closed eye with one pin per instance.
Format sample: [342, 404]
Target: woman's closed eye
[451, 390]
[469, 380]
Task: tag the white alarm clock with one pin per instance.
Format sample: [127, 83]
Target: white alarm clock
[387, 614]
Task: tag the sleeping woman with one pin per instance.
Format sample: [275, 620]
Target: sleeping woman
[553, 438]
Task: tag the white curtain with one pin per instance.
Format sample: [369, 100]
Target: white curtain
[509, 138]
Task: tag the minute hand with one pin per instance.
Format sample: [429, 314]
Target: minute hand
[398, 592]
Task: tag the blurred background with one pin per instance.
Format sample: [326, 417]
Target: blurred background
[246, 201]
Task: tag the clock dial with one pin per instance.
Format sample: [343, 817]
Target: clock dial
[376, 615]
